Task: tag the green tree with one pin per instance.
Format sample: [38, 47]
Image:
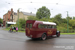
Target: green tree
[72, 23]
[43, 13]
[1, 20]
[21, 23]
[57, 18]
[64, 20]
[69, 18]
[32, 18]
[74, 18]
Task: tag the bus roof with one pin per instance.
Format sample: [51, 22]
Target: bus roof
[51, 23]
[43, 22]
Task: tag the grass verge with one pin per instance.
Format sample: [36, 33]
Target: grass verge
[60, 33]
[67, 33]
[13, 30]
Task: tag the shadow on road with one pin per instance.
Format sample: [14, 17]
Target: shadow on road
[49, 40]
[39, 39]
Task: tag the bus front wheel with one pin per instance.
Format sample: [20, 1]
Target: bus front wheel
[58, 35]
[43, 37]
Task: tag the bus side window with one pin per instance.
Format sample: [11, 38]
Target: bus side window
[30, 25]
[53, 26]
[39, 26]
[42, 26]
[27, 25]
[45, 26]
[49, 26]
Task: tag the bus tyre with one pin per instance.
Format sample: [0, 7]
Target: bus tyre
[43, 37]
[58, 34]
[33, 38]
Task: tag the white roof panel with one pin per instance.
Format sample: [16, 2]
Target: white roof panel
[49, 23]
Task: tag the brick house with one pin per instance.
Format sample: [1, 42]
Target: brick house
[12, 16]
[8, 17]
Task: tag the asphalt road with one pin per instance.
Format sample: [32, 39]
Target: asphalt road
[19, 41]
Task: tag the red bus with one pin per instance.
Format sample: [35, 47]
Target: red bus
[41, 29]
[0, 25]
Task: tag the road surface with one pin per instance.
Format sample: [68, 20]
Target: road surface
[19, 41]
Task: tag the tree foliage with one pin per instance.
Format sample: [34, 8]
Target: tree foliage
[72, 23]
[32, 18]
[43, 13]
[1, 20]
[73, 17]
[57, 18]
[68, 18]
[21, 23]
[64, 20]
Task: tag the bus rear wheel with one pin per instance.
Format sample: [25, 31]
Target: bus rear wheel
[43, 37]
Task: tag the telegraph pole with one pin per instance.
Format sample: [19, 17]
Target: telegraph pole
[18, 19]
[7, 21]
[67, 22]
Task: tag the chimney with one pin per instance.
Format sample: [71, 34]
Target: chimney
[11, 9]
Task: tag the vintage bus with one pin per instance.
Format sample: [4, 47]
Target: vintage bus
[41, 29]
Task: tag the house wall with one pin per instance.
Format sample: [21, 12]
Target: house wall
[21, 15]
[15, 17]
[6, 17]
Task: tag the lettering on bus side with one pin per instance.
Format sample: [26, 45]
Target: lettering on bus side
[49, 32]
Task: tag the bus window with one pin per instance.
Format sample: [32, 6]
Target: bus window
[45, 26]
[27, 25]
[53, 26]
[40, 26]
[30, 25]
[49, 26]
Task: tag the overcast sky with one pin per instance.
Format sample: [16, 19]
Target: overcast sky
[33, 5]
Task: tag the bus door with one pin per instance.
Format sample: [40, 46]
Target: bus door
[54, 29]
[28, 28]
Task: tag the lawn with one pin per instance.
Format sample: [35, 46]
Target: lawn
[67, 33]
[60, 33]
[13, 30]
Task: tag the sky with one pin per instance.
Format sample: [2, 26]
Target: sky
[55, 6]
